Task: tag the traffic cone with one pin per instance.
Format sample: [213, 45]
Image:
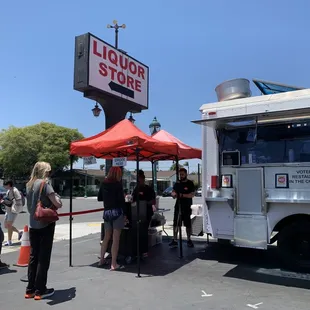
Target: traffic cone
[24, 253]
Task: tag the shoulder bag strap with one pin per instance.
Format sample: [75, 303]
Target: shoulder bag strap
[41, 189]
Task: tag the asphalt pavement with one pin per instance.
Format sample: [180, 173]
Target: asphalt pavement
[208, 277]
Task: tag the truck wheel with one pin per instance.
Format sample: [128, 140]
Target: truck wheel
[294, 246]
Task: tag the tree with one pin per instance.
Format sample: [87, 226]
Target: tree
[186, 164]
[174, 167]
[21, 148]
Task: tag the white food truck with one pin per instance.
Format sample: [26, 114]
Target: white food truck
[256, 170]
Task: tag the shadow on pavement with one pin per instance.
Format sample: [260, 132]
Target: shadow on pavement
[7, 271]
[62, 296]
[162, 260]
[255, 265]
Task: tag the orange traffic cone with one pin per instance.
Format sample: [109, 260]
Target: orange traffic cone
[24, 253]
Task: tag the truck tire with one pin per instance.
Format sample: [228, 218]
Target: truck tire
[294, 246]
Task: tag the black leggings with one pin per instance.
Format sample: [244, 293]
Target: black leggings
[1, 238]
[41, 242]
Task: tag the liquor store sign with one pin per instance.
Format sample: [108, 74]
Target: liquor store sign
[114, 72]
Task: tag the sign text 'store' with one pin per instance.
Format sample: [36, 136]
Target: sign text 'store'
[121, 63]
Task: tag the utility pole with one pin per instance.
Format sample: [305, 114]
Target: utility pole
[116, 27]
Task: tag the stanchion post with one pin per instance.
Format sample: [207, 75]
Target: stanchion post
[70, 216]
[179, 222]
[138, 216]
[153, 175]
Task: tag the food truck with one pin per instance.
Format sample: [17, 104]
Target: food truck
[256, 170]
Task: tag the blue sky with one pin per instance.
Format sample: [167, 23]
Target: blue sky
[190, 47]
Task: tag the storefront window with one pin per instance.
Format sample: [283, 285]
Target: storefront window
[269, 143]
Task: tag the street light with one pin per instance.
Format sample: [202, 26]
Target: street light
[154, 126]
[96, 110]
[116, 27]
[130, 118]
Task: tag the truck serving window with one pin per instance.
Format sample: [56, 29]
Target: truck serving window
[276, 143]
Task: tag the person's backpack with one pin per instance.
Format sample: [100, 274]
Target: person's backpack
[18, 209]
[23, 198]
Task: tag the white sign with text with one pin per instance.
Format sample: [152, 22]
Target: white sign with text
[116, 73]
[119, 162]
[89, 160]
[287, 177]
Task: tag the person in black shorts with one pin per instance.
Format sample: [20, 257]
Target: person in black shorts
[185, 190]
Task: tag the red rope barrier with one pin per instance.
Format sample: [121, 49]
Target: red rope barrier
[80, 212]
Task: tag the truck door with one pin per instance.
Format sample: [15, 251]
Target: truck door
[250, 224]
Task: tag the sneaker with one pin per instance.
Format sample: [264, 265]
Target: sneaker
[3, 265]
[190, 244]
[48, 292]
[20, 234]
[29, 294]
[8, 243]
[173, 244]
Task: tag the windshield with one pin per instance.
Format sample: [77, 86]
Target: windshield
[281, 143]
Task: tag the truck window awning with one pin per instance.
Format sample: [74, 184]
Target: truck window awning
[269, 88]
[251, 120]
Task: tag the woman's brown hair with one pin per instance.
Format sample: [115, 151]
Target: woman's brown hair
[115, 174]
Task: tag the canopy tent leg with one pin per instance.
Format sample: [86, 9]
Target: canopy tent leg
[70, 217]
[179, 222]
[138, 217]
[153, 175]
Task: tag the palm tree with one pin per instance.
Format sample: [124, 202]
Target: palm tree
[174, 167]
[186, 164]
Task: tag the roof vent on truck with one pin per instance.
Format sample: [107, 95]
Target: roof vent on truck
[233, 89]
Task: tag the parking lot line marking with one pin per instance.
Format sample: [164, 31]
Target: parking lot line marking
[254, 306]
[93, 224]
[205, 294]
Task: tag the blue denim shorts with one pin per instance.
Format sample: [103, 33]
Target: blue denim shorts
[116, 224]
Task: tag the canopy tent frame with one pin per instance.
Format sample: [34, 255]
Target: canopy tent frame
[184, 152]
[137, 150]
[132, 148]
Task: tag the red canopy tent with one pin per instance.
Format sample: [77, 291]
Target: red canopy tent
[121, 140]
[184, 151]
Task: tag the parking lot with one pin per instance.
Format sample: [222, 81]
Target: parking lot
[209, 276]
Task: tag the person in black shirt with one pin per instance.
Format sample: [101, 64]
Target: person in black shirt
[146, 194]
[183, 191]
